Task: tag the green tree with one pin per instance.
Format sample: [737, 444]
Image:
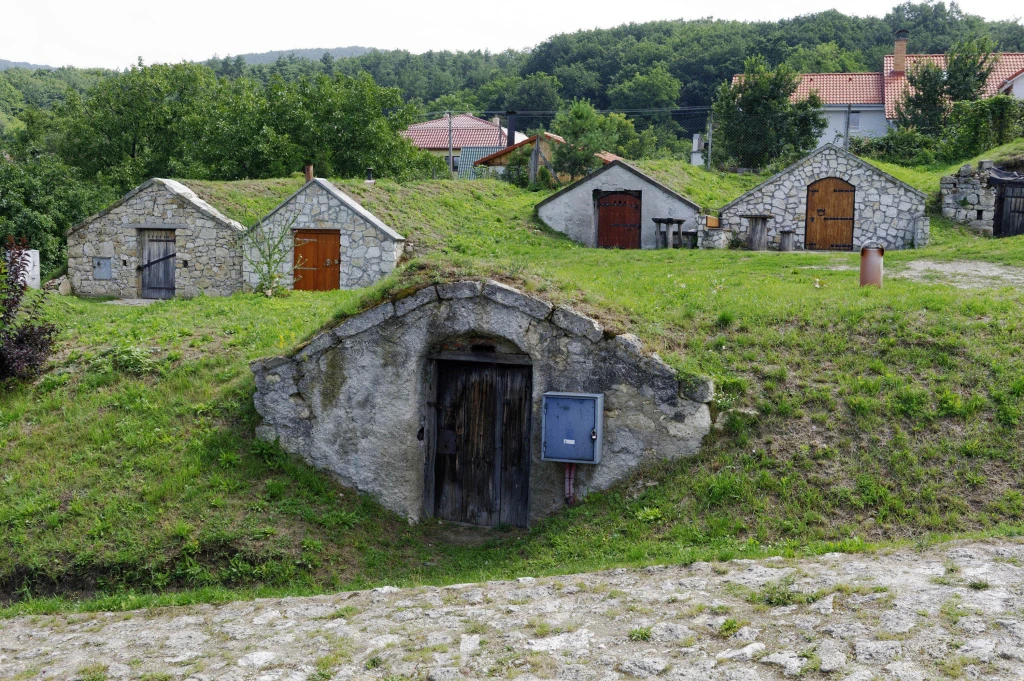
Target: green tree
[656, 89]
[968, 65]
[825, 58]
[756, 123]
[924, 104]
[586, 132]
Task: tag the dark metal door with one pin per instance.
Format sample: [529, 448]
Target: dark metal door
[830, 208]
[317, 265]
[1008, 219]
[618, 221]
[158, 254]
[482, 449]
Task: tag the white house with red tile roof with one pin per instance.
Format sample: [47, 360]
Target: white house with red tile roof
[466, 131]
[864, 104]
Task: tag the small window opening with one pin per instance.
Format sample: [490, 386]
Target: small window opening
[483, 347]
[124, 263]
[980, 213]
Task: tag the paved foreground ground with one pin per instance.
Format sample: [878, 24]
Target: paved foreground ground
[953, 611]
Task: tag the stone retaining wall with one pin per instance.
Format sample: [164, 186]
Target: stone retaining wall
[968, 199]
[354, 399]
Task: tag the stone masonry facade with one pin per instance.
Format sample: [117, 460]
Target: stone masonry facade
[886, 210]
[370, 249]
[208, 258]
[968, 199]
[356, 399]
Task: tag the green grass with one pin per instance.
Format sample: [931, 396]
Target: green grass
[926, 178]
[130, 474]
[710, 190]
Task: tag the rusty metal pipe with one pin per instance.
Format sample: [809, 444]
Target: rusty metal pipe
[871, 264]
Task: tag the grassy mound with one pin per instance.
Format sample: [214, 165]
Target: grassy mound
[131, 475]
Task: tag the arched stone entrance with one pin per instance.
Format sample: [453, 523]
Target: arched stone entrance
[360, 400]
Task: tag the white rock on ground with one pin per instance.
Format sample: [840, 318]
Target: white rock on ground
[576, 627]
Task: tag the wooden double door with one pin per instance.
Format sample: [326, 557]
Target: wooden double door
[1008, 219]
[317, 265]
[618, 220]
[830, 212]
[158, 250]
[481, 467]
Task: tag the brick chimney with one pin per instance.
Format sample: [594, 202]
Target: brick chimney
[309, 172]
[899, 55]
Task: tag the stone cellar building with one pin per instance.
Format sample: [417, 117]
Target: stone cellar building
[159, 241]
[337, 243]
[831, 200]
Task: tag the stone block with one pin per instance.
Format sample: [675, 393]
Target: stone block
[510, 297]
[364, 320]
[577, 324]
[424, 296]
[458, 290]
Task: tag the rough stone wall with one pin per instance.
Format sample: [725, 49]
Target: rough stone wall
[369, 249]
[885, 210]
[710, 237]
[208, 245]
[574, 213]
[967, 198]
[353, 400]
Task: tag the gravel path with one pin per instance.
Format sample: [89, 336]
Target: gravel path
[952, 611]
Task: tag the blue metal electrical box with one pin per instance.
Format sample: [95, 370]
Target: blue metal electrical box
[573, 427]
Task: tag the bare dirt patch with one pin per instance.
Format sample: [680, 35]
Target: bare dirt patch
[962, 273]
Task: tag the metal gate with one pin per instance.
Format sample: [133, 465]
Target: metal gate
[830, 208]
[158, 253]
[618, 221]
[1008, 219]
[481, 469]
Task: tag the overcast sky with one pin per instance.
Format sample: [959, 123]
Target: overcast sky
[114, 33]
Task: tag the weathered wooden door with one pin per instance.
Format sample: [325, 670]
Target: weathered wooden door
[1008, 219]
[317, 264]
[830, 208]
[618, 221]
[482, 449]
[158, 256]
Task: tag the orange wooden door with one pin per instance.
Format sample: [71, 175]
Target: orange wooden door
[618, 221]
[317, 260]
[830, 210]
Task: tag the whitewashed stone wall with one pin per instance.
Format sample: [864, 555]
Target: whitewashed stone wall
[968, 199]
[369, 249]
[885, 210]
[208, 261]
[354, 399]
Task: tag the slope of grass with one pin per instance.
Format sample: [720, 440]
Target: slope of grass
[709, 190]
[926, 178]
[130, 474]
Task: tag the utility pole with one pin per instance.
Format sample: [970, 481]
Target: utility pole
[451, 152]
[711, 128]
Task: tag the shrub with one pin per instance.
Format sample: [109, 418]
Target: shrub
[25, 338]
[905, 146]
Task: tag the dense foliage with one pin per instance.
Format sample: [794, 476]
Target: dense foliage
[756, 124]
[25, 337]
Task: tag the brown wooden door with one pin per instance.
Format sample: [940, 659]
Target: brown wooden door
[317, 265]
[158, 257]
[482, 448]
[1008, 219]
[830, 210]
[618, 221]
